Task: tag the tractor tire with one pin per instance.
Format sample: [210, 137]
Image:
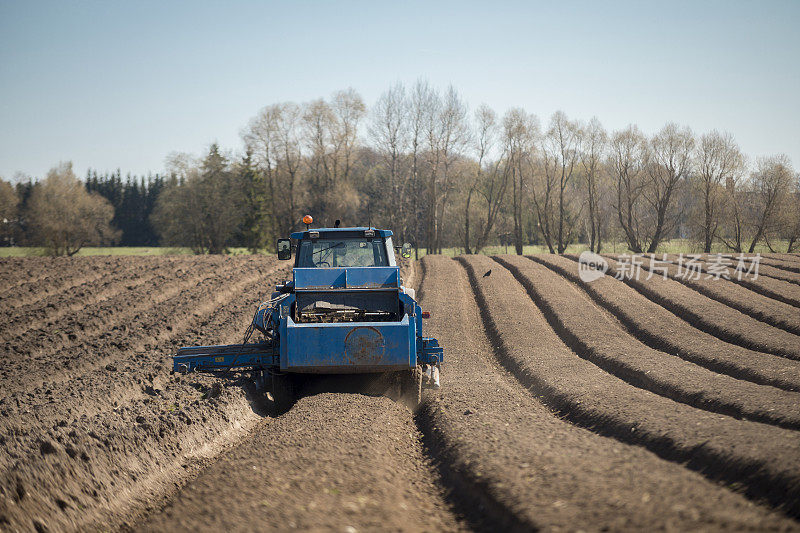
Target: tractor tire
[282, 390]
[411, 387]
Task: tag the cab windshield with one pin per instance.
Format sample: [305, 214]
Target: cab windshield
[350, 252]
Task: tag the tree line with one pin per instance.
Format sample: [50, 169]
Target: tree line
[133, 199]
[63, 213]
[418, 161]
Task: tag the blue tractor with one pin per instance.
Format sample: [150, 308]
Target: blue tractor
[345, 311]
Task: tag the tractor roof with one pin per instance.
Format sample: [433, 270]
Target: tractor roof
[323, 232]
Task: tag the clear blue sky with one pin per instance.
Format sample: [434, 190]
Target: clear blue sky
[110, 84]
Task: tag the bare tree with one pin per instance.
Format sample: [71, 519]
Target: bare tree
[593, 144]
[455, 137]
[318, 121]
[771, 185]
[274, 137]
[560, 156]
[486, 124]
[64, 217]
[348, 111]
[628, 157]
[520, 132]
[422, 105]
[433, 151]
[389, 129]
[605, 210]
[493, 187]
[670, 164]
[794, 214]
[260, 139]
[203, 209]
[289, 160]
[719, 162]
[180, 164]
[331, 131]
[734, 210]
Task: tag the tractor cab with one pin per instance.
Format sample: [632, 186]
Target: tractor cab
[344, 248]
[344, 275]
[341, 248]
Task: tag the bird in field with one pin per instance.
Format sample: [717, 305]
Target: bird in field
[487, 273]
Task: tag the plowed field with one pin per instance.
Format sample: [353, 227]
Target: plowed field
[610, 405]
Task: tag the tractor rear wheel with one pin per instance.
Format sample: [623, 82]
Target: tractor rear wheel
[282, 390]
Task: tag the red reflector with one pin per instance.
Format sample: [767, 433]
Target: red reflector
[426, 314]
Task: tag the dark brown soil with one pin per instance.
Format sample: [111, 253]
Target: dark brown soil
[526, 433]
[770, 266]
[712, 316]
[130, 321]
[767, 269]
[660, 329]
[771, 281]
[779, 289]
[334, 461]
[741, 298]
[545, 471]
[790, 262]
[94, 429]
[765, 460]
[41, 275]
[605, 342]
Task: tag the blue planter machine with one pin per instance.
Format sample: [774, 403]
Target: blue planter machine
[344, 311]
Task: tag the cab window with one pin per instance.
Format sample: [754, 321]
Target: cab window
[333, 253]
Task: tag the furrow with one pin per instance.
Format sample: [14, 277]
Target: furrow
[789, 262]
[97, 468]
[545, 470]
[761, 459]
[769, 267]
[771, 282]
[31, 294]
[46, 337]
[356, 460]
[100, 319]
[712, 316]
[114, 382]
[662, 330]
[17, 271]
[608, 345]
[140, 325]
[61, 274]
[771, 271]
[773, 312]
[97, 473]
[19, 320]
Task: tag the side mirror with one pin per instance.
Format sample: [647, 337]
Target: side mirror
[284, 249]
[405, 251]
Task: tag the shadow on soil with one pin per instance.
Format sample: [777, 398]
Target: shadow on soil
[469, 498]
[260, 396]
